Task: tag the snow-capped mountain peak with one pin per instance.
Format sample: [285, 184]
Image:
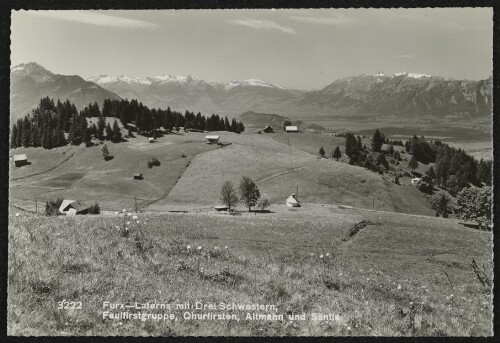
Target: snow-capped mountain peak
[413, 75]
[252, 83]
[103, 79]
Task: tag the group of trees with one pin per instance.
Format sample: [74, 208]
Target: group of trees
[247, 192]
[455, 169]
[47, 124]
[44, 127]
[147, 120]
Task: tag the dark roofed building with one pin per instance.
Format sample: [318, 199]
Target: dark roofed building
[138, 176]
[20, 160]
[268, 129]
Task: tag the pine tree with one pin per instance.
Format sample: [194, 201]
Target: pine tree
[413, 164]
[101, 124]
[377, 141]
[321, 151]
[109, 132]
[117, 133]
[430, 173]
[337, 154]
[13, 137]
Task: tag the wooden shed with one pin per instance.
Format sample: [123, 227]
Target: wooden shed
[138, 176]
[20, 160]
[212, 139]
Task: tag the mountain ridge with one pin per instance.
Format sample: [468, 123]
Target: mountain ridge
[402, 94]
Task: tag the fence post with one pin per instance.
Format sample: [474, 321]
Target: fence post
[135, 197]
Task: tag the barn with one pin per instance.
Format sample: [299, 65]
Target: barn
[292, 201]
[268, 129]
[138, 176]
[72, 207]
[20, 160]
[151, 140]
[212, 139]
[291, 129]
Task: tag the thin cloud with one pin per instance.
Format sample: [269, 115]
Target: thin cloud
[332, 21]
[261, 24]
[98, 19]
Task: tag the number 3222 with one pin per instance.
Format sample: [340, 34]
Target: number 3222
[69, 305]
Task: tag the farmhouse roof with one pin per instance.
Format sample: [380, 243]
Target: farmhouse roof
[268, 127]
[79, 206]
[212, 137]
[291, 128]
[65, 204]
[20, 157]
[137, 174]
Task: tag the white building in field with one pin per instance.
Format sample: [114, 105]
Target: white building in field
[416, 180]
[292, 201]
[291, 129]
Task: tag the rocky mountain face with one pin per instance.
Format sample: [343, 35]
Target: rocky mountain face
[30, 82]
[189, 93]
[403, 95]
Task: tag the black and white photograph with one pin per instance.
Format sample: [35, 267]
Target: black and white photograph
[250, 172]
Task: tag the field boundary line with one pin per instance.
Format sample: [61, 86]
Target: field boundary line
[45, 171]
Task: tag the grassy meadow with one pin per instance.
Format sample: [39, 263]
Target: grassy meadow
[402, 275]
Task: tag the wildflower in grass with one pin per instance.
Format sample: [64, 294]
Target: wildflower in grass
[312, 254]
[128, 223]
[188, 247]
[124, 210]
[399, 286]
[199, 247]
[138, 222]
[320, 256]
[17, 214]
[225, 247]
[135, 217]
[216, 248]
[327, 254]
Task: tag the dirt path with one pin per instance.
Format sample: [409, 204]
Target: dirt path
[278, 174]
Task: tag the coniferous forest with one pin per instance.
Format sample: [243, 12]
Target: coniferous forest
[47, 124]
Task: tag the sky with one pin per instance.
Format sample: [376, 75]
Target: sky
[295, 48]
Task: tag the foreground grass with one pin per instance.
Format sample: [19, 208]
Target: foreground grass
[385, 281]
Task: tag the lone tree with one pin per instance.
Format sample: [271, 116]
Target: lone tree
[117, 133]
[249, 192]
[443, 206]
[377, 141]
[321, 151]
[413, 164]
[228, 194]
[337, 154]
[105, 151]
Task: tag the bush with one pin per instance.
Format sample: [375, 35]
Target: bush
[153, 161]
[425, 187]
[95, 209]
[52, 207]
[263, 203]
[474, 204]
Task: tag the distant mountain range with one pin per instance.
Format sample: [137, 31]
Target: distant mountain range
[402, 95]
[30, 82]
